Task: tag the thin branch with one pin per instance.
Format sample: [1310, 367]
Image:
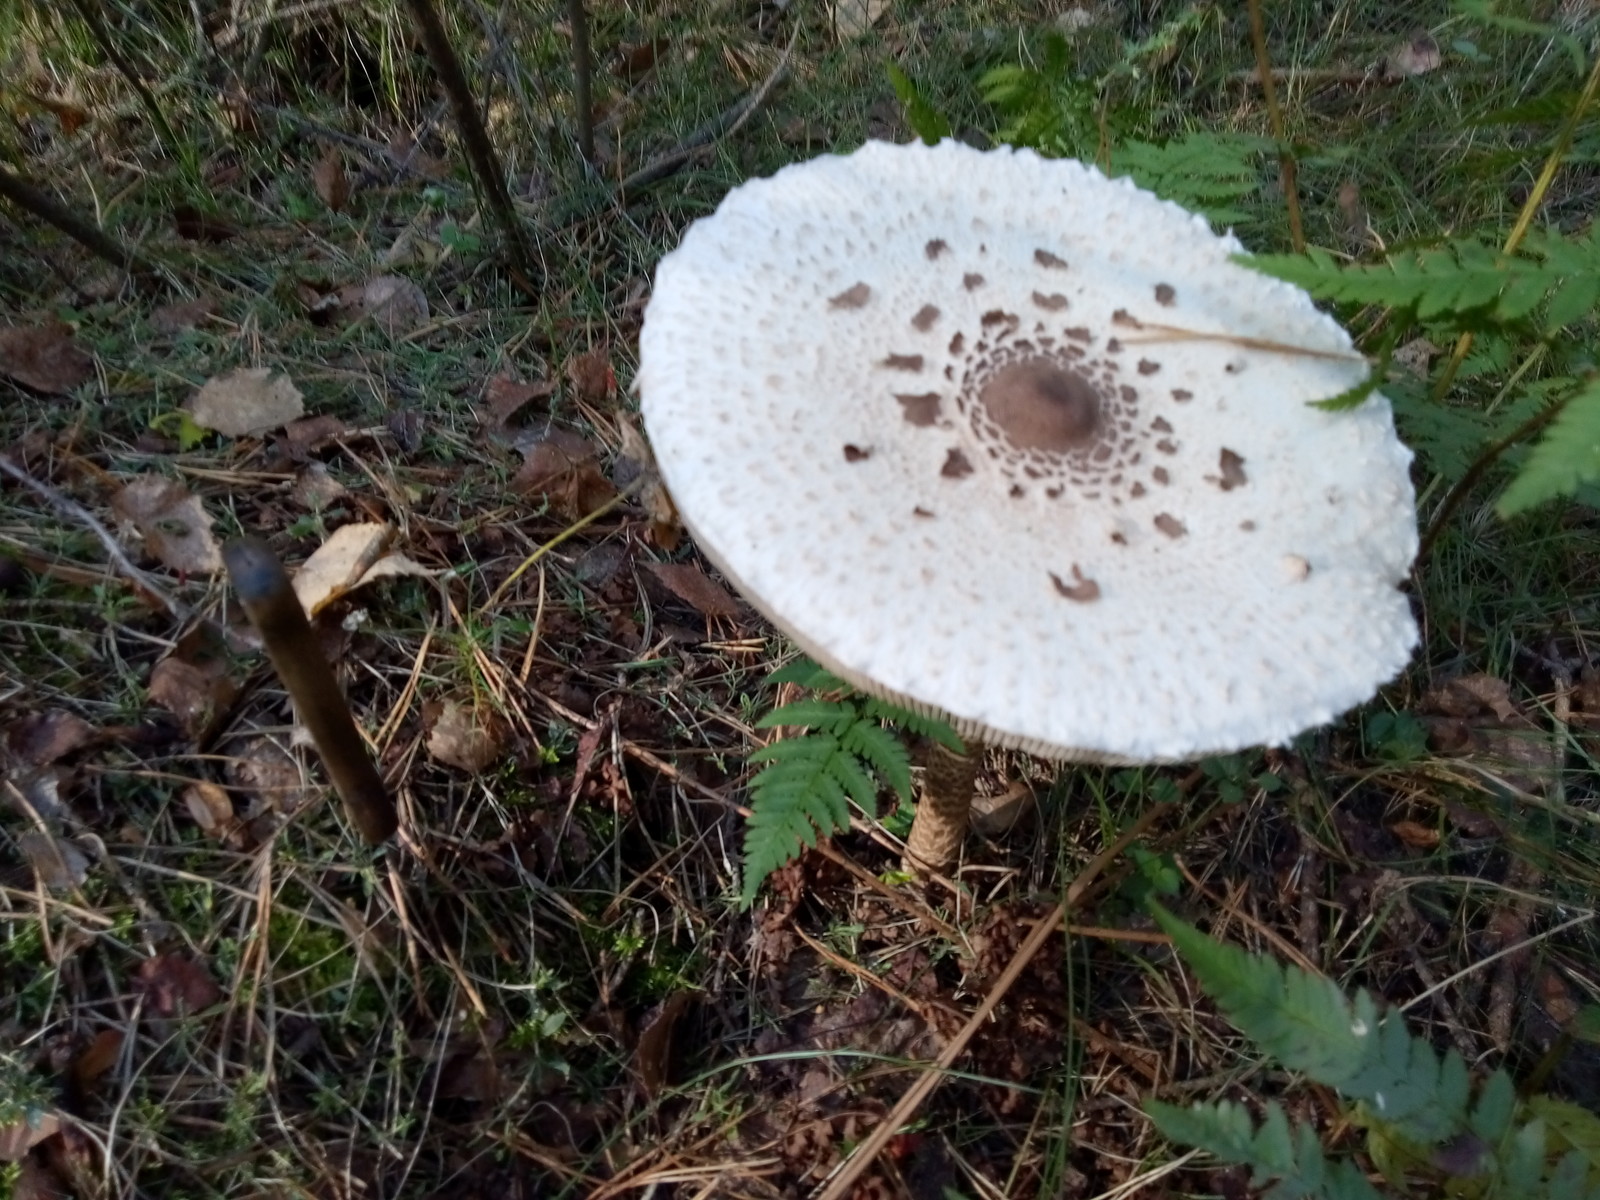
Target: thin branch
[481, 154]
[108, 47]
[91, 237]
[582, 78]
[1269, 94]
[74, 511]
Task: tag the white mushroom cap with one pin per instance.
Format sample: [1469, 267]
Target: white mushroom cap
[912, 403]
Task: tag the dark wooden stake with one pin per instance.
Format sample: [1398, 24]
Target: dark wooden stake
[263, 588]
[481, 155]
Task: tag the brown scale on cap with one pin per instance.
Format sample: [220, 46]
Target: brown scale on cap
[1170, 525]
[972, 281]
[855, 453]
[956, 465]
[904, 362]
[935, 248]
[1054, 302]
[1082, 590]
[855, 297]
[1045, 259]
[926, 316]
[1166, 294]
[920, 410]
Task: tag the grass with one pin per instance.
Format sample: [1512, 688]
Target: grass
[485, 1008]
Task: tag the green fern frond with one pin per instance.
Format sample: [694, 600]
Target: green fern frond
[1458, 278]
[1565, 458]
[1289, 1156]
[1205, 172]
[1307, 1023]
[920, 724]
[806, 783]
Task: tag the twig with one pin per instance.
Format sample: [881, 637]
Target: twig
[582, 78]
[840, 1185]
[74, 511]
[480, 150]
[91, 237]
[1269, 95]
[724, 125]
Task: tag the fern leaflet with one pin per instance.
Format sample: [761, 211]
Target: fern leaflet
[1205, 172]
[1565, 458]
[1459, 277]
[806, 783]
[1291, 1156]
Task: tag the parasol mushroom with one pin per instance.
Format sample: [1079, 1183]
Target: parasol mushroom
[1000, 439]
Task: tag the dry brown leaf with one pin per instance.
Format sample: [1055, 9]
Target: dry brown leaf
[993, 816]
[270, 776]
[565, 468]
[172, 522]
[316, 488]
[211, 807]
[20, 1137]
[504, 395]
[39, 739]
[59, 863]
[44, 358]
[395, 304]
[353, 557]
[653, 1055]
[246, 401]
[591, 376]
[196, 226]
[468, 737]
[1471, 696]
[174, 984]
[175, 318]
[189, 693]
[852, 18]
[98, 1057]
[1415, 834]
[695, 588]
[1416, 56]
[636, 473]
[328, 177]
[304, 437]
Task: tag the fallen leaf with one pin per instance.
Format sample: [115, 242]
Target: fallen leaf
[1471, 696]
[175, 984]
[19, 1137]
[270, 776]
[37, 1181]
[466, 737]
[1415, 834]
[565, 468]
[245, 401]
[1416, 56]
[654, 1052]
[354, 556]
[1416, 356]
[98, 1057]
[591, 376]
[328, 177]
[852, 18]
[631, 62]
[59, 863]
[636, 473]
[317, 489]
[36, 794]
[39, 739]
[393, 302]
[305, 437]
[44, 358]
[211, 807]
[172, 522]
[175, 318]
[195, 682]
[695, 588]
[196, 226]
[504, 395]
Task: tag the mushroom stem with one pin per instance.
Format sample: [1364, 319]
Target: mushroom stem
[940, 825]
[263, 588]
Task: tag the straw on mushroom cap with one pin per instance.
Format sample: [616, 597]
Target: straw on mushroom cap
[1001, 439]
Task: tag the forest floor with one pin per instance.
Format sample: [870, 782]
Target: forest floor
[545, 986]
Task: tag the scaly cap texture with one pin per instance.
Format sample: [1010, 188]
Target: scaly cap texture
[1002, 439]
